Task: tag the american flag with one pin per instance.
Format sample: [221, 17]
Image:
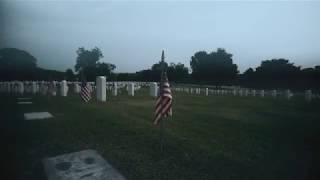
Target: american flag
[164, 99]
[85, 92]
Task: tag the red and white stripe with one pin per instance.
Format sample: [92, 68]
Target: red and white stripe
[85, 92]
[164, 101]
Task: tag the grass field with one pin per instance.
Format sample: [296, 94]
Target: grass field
[215, 137]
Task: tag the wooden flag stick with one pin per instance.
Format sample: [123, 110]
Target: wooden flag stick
[161, 134]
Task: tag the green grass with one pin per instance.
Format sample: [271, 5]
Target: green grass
[215, 137]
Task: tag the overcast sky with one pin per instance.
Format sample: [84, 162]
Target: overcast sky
[132, 35]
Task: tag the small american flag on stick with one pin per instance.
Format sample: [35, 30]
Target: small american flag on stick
[85, 92]
[164, 99]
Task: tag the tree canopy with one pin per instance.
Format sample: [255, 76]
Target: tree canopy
[87, 58]
[16, 59]
[216, 67]
[16, 64]
[88, 66]
[280, 73]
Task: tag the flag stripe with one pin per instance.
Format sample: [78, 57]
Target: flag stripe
[164, 100]
[85, 92]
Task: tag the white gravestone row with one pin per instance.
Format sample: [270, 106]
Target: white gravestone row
[308, 95]
[43, 87]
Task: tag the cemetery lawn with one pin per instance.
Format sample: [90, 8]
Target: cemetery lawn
[215, 137]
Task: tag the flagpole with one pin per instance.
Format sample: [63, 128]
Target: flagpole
[161, 120]
[161, 134]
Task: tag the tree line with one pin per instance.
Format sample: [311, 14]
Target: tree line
[212, 68]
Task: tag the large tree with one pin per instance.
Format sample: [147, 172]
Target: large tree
[277, 73]
[12, 58]
[177, 72]
[87, 58]
[69, 75]
[88, 66]
[216, 67]
[274, 73]
[16, 64]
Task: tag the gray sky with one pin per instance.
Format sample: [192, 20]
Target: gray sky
[132, 35]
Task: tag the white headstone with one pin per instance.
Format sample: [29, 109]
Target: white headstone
[262, 93]
[207, 91]
[308, 95]
[253, 92]
[37, 87]
[153, 89]
[20, 87]
[8, 87]
[131, 89]
[197, 90]
[240, 92]
[101, 88]
[288, 94]
[115, 89]
[43, 88]
[246, 92]
[274, 93]
[63, 88]
[234, 92]
[77, 88]
[33, 87]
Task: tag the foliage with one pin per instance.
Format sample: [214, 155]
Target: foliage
[280, 73]
[87, 58]
[16, 64]
[16, 59]
[69, 75]
[215, 67]
[88, 66]
[177, 72]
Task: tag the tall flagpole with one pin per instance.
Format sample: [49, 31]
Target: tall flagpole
[162, 65]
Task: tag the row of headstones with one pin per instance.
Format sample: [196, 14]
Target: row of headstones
[34, 87]
[243, 92]
[43, 87]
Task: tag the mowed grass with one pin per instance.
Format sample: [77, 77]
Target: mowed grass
[215, 137]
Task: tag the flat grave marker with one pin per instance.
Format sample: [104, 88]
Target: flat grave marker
[24, 98]
[82, 165]
[37, 115]
[25, 102]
